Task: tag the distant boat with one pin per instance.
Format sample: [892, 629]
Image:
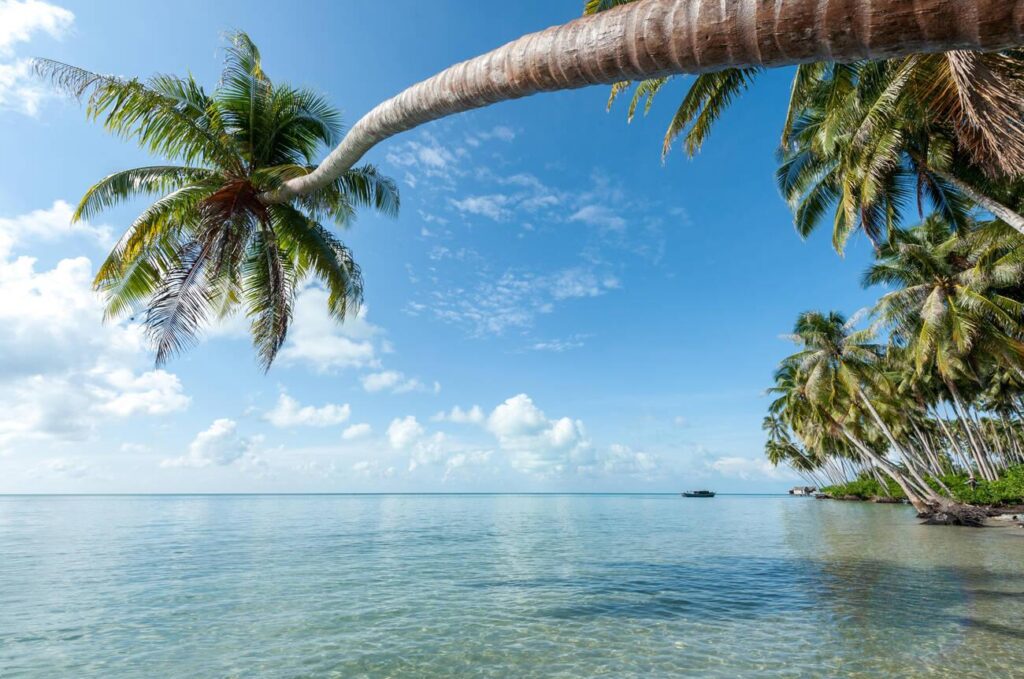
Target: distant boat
[802, 490]
[699, 493]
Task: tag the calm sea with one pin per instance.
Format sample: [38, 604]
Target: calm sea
[500, 586]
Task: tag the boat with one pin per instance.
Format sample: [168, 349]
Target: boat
[699, 493]
[803, 490]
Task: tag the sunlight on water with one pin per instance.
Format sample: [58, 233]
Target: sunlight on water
[500, 586]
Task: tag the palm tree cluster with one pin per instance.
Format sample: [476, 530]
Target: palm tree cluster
[928, 393]
[207, 246]
[931, 388]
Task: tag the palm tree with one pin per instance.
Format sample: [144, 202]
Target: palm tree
[866, 139]
[951, 309]
[835, 369]
[207, 245]
[654, 38]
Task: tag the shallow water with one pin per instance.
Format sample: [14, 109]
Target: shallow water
[500, 586]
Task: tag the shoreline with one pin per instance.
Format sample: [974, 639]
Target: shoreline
[1005, 516]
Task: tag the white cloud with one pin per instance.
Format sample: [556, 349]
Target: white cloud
[578, 282]
[515, 299]
[403, 432]
[426, 157]
[536, 444]
[290, 413]
[492, 206]
[48, 225]
[318, 341]
[600, 216]
[474, 415]
[620, 460]
[373, 469]
[499, 132]
[395, 382]
[219, 445]
[463, 460]
[747, 468]
[19, 22]
[156, 392]
[357, 431]
[63, 372]
[428, 451]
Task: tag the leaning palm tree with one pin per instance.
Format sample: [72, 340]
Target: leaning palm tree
[207, 245]
[654, 38]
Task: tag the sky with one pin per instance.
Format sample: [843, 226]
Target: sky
[555, 309]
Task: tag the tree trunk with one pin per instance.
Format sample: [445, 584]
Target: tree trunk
[1000, 211]
[653, 38]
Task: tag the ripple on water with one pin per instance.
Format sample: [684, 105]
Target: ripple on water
[499, 586]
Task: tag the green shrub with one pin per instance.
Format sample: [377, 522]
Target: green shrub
[864, 487]
[1008, 489]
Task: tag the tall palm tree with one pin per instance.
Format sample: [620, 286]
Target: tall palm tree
[654, 38]
[838, 371]
[952, 310]
[207, 245]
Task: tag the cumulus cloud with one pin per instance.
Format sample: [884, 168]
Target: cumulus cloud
[20, 21]
[357, 431]
[538, 445]
[156, 392]
[290, 413]
[403, 432]
[324, 345]
[219, 445]
[62, 371]
[49, 225]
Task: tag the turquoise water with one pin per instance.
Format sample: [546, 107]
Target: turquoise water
[500, 586]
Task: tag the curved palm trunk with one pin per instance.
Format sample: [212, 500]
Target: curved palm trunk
[1000, 211]
[653, 38]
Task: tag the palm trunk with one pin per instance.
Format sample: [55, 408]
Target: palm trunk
[1014, 219]
[653, 38]
[926, 490]
[919, 503]
[965, 422]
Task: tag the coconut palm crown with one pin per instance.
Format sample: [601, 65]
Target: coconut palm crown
[207, 246]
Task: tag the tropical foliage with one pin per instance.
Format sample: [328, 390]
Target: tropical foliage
[927, 392]
[207, 247]
[867, 142]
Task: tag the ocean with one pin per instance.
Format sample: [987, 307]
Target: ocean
[500, 586]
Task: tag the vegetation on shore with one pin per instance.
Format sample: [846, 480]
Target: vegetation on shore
[922, 397]
[1008, 490]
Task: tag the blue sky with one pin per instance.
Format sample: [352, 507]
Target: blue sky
[555, 309]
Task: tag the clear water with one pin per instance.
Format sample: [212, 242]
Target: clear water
[500, 586]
